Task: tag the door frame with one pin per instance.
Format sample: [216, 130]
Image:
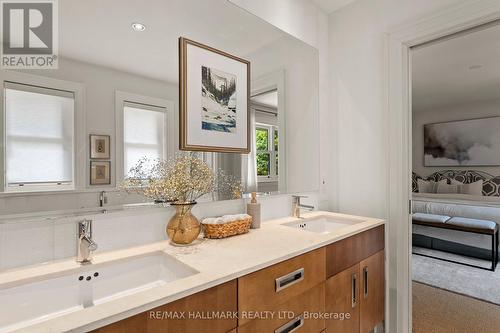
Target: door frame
[399, 41]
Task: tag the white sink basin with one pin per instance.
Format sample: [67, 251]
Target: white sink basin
[323, 224]
[39, 301]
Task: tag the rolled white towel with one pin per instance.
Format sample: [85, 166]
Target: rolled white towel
[225, 219]
[212, 220]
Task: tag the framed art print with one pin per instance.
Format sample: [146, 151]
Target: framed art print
[214, 99]
[100, 172]
[473, 142]
[99, 146]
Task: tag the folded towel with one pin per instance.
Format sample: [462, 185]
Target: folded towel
[225, 219]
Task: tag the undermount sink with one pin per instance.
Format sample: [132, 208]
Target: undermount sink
[323, 224]
[42, 300]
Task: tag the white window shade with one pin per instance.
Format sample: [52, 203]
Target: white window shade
[144, 133]
[39, 124]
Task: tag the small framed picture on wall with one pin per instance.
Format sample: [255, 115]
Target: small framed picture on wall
[99, 146]
[100, 172]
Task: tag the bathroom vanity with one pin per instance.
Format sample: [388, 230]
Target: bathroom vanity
[346, 277]
[279, 278]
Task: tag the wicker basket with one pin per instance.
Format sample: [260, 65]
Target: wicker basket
[223, 230]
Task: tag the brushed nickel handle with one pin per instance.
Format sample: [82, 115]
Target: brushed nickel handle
[365, 284]
[290, 279]
[291, 326]
[354, 299]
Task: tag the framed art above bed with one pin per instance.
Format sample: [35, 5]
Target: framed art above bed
[474, 142]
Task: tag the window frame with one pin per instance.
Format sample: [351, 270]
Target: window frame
[78, 169]
[121, 99]
[273, 171]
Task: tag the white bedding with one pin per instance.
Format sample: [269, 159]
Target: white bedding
[463, 199]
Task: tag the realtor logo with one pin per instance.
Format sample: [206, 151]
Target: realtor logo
[29, 39]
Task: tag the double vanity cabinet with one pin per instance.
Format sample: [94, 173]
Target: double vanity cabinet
[339, 287]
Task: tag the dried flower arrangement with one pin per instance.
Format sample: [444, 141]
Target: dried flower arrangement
[188, 178]
[228, 186]
[182, 179]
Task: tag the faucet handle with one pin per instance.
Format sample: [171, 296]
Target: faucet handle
[296, 198]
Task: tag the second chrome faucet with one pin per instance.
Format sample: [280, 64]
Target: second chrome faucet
[297, 206]
[85, 244]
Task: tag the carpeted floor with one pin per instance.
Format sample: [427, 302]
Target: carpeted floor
[469, 281]
[439, 311]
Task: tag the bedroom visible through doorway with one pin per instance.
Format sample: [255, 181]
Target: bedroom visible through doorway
[455, 89]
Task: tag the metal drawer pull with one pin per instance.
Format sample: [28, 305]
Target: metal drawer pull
[291, 326]
[365, 278]
[290, 279]
[354, 300]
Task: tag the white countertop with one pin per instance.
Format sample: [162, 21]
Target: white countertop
[218, 261]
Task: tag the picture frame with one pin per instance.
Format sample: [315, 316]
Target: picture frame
[467, 142]
[214, 98]
[100, 146]
[100, 173]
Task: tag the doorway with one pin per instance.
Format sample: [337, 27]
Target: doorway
[455, 166]
[400, 41]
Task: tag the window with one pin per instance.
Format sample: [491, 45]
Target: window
[144, 133]
[39, 138]
[267, 139]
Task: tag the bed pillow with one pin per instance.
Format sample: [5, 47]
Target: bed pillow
[475, 188]
[447, 189]
[429, 186]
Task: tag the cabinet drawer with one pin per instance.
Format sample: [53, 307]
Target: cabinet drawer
[350, 251]
[272, 286]
[311, 301]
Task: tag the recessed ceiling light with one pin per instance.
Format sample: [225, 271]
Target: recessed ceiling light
[138, 26]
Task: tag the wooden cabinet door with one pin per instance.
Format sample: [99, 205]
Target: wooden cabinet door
[372, 291]
[342, 298]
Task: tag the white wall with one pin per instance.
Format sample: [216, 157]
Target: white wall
[359, 97]
[473, 110]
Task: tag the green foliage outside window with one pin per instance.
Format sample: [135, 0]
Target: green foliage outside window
[263, 164]
[262, 141]
[262, 138]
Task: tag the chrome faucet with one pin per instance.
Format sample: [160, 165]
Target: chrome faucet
[296, 205]
[103, 199]
[85, 244]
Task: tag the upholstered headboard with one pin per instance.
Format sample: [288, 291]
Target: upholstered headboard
[491, 184]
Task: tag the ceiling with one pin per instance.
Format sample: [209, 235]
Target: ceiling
[331, 5]
[458, 70]
[99, 32]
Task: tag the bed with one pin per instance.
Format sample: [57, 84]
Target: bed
[483, 207]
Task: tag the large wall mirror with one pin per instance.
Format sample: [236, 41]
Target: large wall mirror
[117, 88]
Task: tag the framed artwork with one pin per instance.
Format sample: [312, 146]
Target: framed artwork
[100, 172]
[474, 142]
[99, 146]
[214, 99]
